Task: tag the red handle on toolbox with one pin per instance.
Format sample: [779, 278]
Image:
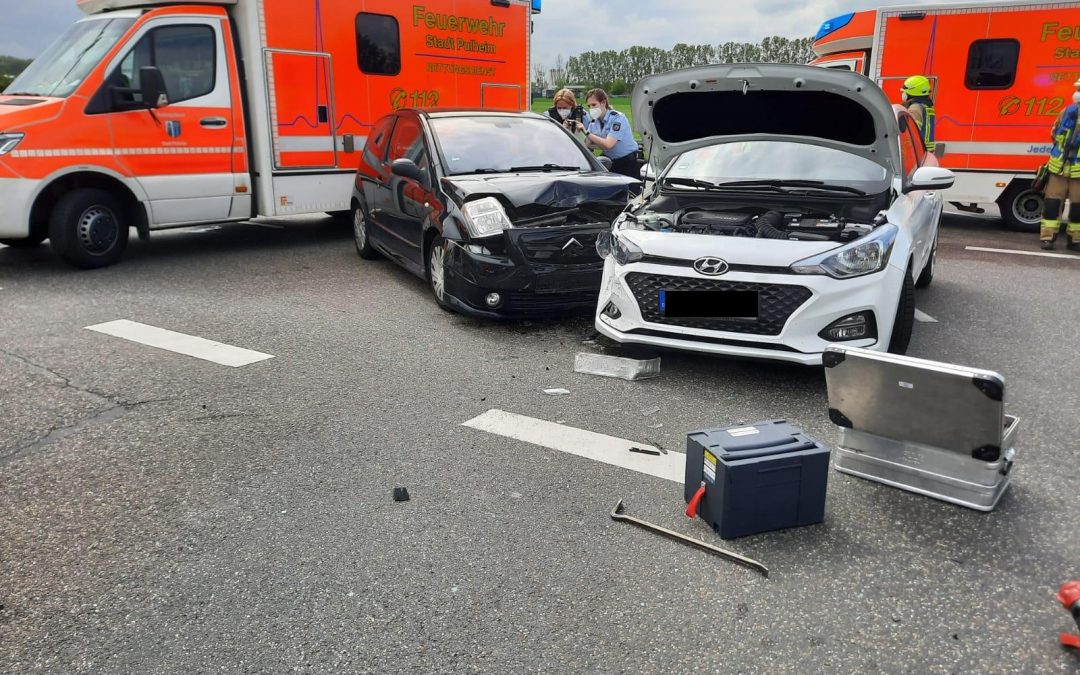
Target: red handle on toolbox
[695, 502]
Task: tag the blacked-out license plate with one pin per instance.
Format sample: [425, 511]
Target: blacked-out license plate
[709, 304]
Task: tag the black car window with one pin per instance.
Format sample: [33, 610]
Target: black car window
[498, 143]
[408, 143]
[375, 150]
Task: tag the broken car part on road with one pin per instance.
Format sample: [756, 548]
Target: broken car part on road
[617, 366]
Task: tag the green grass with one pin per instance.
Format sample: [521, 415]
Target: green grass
[620, 103]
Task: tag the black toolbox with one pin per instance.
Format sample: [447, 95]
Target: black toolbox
[759, 477]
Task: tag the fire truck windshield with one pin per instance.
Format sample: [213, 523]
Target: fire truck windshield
[65, 64]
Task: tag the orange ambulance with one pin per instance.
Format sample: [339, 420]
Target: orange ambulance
[1001, 74]
[150, 114]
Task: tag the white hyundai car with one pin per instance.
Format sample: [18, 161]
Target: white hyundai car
[796, 208]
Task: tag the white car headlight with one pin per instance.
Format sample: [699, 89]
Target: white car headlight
[861, 257]
[485, 217]
[9, 141]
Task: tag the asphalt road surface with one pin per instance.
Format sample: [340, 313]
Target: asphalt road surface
[161, 513]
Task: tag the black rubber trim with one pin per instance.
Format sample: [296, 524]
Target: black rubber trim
[689, 264]
[711, 340]
[840, 419]
[833, 359]
[987, 453]
[993, 388]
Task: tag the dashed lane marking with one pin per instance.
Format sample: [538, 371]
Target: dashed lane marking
[923, 317]
[1010, 251]
[189, 345]
[587, 444]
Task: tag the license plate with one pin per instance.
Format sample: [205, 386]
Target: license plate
[709, 304]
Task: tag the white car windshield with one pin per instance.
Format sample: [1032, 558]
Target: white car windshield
[777, 161]
[60, 70]
[496, 144]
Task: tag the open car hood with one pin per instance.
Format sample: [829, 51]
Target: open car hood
[555, 189]
[696, 107]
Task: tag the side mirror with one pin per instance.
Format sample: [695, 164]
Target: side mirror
[930, 178]
[604, 162]
[406, 168]
[153, 90]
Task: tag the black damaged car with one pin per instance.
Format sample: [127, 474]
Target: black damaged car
[499, 212]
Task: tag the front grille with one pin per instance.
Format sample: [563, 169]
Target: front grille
[585, 279]
[550, 303]
[557, 246]
[776, 302]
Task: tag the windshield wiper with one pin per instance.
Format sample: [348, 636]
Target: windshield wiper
[691, 182]
[544, 167]
[814, 184]
[21, 93]
[475, 171]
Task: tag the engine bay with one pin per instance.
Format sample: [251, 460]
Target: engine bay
[752, 223]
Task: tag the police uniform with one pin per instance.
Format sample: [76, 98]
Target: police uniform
[624, 153]
[1064, 183]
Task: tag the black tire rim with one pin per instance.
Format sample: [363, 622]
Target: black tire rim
[1028, 207]
[98, 230]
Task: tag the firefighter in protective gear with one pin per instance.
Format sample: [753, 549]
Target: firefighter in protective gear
[1064, 183]
[916, 95]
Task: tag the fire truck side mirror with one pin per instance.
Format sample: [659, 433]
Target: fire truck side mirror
[153, 87]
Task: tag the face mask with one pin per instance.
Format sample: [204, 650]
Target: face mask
[1076, 97]
[564, 112]
[595, 113]
[905, 97]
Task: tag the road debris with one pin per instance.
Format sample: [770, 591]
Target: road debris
[401, 494]
[617, 366]
[557, 392]
[645, 451]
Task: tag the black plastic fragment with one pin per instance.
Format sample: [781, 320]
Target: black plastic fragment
[645, 451]
[401, 494]
[832, 359]
[840, 419]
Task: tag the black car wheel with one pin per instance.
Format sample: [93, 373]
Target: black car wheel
[89, 228]
[905, 317]
[926, 277]
[436, 269]
[360, 235]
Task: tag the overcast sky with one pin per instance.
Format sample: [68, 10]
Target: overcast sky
[566, 27]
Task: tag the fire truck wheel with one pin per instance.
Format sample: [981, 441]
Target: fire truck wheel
[905, 317]
[29, 242]
[89, 228]
[1021, 207]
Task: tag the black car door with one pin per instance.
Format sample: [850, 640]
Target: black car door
[408, 200]
[374, 177]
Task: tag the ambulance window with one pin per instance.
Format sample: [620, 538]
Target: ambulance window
[378, 44]
[185, 55]
[992, 64]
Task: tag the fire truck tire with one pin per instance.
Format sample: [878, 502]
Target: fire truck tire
[89, 228]
[29, 242]
[1021, 207]
[905, 317]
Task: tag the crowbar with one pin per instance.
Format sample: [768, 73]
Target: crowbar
[617, 514]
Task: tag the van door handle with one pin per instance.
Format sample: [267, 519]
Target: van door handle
[214, 122]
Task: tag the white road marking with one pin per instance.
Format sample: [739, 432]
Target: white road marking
[587, 444]
[923, 317]
[189, 345]
[1034, 253]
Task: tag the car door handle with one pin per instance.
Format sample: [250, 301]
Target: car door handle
[214, 122]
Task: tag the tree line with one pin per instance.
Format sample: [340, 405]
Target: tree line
[10, 67]
[618, 71]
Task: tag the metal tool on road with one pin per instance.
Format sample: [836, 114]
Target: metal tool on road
[617, 514]
[1069, 597]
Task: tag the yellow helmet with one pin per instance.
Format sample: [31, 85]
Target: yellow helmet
[917, 85]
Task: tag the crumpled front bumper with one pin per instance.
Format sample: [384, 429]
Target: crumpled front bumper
[813, 302]
[545, 271]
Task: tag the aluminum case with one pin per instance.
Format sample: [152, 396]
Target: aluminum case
[931, 428]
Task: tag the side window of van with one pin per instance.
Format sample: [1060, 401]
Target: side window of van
[992, 64]
[185, 55]
[378, 44]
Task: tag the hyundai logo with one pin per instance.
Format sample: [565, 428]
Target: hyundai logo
[573, 242]
[711, 267]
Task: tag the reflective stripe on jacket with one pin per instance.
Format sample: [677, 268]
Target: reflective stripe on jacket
[926, 120]
[1066, 142]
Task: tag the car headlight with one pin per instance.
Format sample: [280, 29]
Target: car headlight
[9, 141]
[625, 251]
[485, 217]
[861, 257]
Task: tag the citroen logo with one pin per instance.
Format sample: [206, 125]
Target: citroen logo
[711, 267]
[573, 242]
